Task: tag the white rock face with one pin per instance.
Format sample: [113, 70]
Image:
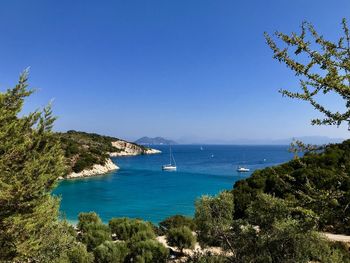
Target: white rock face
[97, 169]
[126, 149]
[152, 151]
[129, 149]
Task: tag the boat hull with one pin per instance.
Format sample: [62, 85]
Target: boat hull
[243, 170]
[169, 168]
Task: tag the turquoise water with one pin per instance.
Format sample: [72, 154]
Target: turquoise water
[140, 189]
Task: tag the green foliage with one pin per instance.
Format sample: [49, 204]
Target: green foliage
[322, 65]
[79, 254]
[31, 160]
[267, 209]
[82, 150]
[274, 230]
[213, 217]
[109, 252]
[319, 182]
[126, 228]
[142, 235]
[85, 219]
[181, 237]
[149, 251]
[206, 258]
[282, 233]
[94, 235]
[284, 241]
[177, 221]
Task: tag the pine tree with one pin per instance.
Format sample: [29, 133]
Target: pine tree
[322, 65]
[31, 160]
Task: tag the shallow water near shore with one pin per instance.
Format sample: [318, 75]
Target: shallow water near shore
[140, 189]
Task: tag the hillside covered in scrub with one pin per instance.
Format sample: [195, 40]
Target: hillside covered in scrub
[83, 150]
[318, 181]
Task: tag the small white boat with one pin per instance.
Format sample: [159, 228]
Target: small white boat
[242, 169]
[170, 166]
[202, 148]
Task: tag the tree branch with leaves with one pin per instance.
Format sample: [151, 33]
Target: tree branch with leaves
[322, 65]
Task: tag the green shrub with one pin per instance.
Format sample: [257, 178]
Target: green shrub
[86, 219]
[181, 237]
[141, 236]
[149, 251]
[125, 228]
[206, 258]
[94, 235]
[274, 230]
[110, 252]
[213, 217]
[177, 221]
[79, 254]
[85, 161]
[282, 242]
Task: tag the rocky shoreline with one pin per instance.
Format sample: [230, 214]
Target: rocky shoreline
[97, 169]
[130, 149]
[126, 149]
[133, 153]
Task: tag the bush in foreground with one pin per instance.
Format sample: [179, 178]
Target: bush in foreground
[79, 254]
[126, 228]
[149, 251]
[214, 217]
[274, 231]
[85, 219]
[94, 235]
[206, 258]
[110, 252]
[176, 221]
[181, 237]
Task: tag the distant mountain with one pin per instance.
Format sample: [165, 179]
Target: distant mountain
[154, 141]
[316, 140]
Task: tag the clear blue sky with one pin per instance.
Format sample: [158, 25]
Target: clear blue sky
[179, 69]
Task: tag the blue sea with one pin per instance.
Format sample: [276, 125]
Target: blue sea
[140, 189]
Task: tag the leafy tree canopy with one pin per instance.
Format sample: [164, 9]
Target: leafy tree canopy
[31, 160]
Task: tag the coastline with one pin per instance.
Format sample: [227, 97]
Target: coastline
[130, 149]
[97, 169]
[126, 149]
[134, 153]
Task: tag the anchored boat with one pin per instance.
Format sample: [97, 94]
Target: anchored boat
[171, 166]
[241, 169]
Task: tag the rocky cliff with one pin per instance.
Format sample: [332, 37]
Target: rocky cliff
[128, 149]
[88, 154]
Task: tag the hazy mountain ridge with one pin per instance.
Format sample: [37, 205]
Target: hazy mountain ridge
[154, 141]
[317, 140]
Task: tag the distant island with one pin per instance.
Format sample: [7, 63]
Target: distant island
[316, 140]
[88, 154]
[154, 141]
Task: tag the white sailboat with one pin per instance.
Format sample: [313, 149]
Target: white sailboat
[171, 166]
